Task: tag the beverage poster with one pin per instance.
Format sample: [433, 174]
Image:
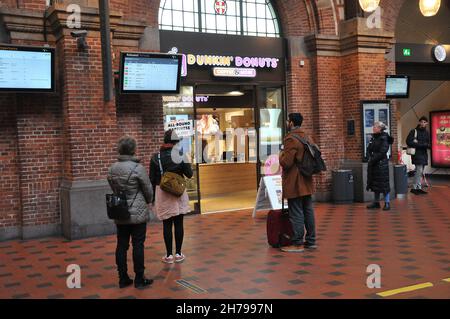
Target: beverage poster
[440, 139]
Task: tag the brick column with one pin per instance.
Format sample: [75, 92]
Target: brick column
[90, 129]
[346, 69]
[327, 107]
[364, 67]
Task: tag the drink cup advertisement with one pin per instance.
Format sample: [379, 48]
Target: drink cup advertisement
[440, 139]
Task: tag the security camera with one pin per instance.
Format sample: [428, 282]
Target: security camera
[78, 33]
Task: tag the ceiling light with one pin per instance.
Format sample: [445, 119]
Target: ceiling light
[369, 5]
[429, 8]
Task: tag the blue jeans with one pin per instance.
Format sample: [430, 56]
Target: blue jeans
[418, 176]
[301, 215]
[387, 197]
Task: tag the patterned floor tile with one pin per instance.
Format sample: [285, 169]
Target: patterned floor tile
[228, 255]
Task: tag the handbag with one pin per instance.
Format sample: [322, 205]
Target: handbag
[171, 183]
[116, 204]
[412, 150]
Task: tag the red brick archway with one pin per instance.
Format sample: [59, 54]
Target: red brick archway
[391, 10]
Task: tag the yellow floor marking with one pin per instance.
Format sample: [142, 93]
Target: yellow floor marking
[404, 289]
[446, 279]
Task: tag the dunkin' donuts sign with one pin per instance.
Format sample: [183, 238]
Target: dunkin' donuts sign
[235, 66]
[237, 61]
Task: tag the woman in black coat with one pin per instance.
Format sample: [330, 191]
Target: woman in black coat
[169, 208]
[378, 165]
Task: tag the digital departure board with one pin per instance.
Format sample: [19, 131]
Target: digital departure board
[27, 69]
[397, 86]
[150, 73]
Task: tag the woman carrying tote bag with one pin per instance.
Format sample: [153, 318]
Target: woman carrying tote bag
[170, 207]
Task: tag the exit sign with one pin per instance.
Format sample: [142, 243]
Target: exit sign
[406, 52]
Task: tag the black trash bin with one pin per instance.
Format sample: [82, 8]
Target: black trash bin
[401, 180]
[343, 186]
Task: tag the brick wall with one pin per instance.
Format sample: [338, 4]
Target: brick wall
[10, 207]
[294, 17]
[138, 10]
[351, 105]
[299, 90]
[328, 115]
[390, 11]
[39, 126]
[89, 123]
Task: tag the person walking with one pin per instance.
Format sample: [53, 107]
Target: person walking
[128, 175]
[297, 189]
[378, 166]
[419, 139]
[170, 208]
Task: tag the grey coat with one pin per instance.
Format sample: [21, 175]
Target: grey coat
[139, 182]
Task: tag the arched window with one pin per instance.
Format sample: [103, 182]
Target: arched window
[239, 17]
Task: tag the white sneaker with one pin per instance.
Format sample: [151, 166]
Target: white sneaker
[179, 258]
[168, 260]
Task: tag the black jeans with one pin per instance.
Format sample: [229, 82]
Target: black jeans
[137, 234]
[301, 215]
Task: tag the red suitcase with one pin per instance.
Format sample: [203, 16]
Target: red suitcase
[279, 228]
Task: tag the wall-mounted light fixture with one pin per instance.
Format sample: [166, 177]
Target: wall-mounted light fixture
[429, 8]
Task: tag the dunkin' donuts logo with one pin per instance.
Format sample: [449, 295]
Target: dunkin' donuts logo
[219, 60]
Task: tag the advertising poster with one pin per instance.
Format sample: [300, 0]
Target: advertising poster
[440, 139]
[383, 116]
[369, 116]
[180, 124]
[184, 129]
[274, 190]
[374, 111]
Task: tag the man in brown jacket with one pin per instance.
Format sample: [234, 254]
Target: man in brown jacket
[297, 189]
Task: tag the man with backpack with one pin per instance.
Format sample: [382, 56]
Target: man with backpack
[419, 140]
[298, 184]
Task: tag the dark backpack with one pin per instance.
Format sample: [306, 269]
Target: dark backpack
[312, 162]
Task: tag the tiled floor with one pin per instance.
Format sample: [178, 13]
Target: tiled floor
[228, 257]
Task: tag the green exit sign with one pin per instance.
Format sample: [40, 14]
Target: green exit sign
[406, 52]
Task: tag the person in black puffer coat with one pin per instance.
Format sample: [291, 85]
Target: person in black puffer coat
[378, 165]
[419, 138]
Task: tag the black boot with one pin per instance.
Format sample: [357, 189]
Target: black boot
[124, 280]
[387, 206]
[141, 282]
[374, 205]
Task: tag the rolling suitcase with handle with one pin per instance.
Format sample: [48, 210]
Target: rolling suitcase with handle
[279, 228]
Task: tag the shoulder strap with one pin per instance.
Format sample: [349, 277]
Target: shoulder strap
[132, 170]
[301, 139]
[160, 165]
[135, 195]
[304, 142]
